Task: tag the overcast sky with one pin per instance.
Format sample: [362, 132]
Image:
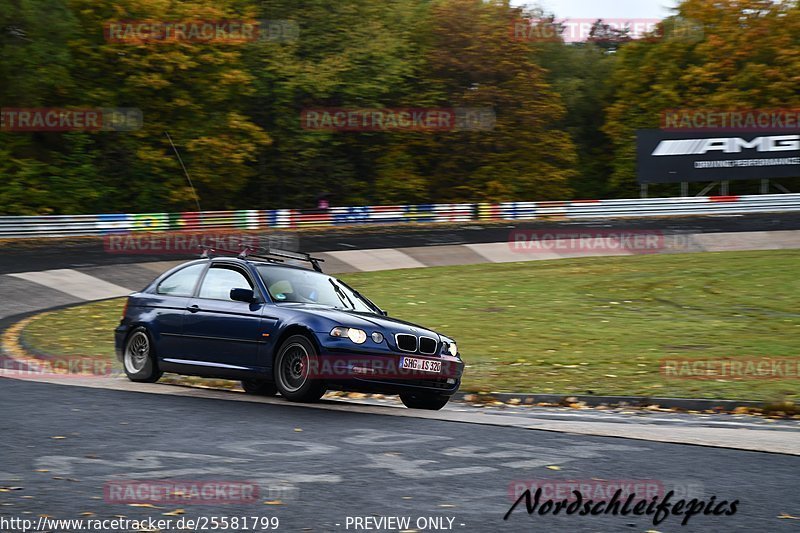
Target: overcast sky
[594, 9]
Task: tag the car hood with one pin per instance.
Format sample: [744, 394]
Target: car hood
[366, 321]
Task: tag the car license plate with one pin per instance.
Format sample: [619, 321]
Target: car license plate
[422, 365]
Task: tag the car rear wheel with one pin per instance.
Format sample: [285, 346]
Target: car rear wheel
[291, 368]
[259, 388]
[418, 400]
[139, 358]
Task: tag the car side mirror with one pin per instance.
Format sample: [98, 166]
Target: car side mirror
[243, 295]
[384, 312]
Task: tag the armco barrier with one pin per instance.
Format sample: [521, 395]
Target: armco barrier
[253, 219]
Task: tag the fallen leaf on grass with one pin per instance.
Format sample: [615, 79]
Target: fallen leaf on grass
[553, 467]
[788, 516]
[273, 502]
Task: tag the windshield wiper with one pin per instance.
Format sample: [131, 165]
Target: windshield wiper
[342, 295]
[370, 304]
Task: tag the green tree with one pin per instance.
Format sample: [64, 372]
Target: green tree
[358, 54]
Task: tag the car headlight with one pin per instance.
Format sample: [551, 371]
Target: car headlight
[452, 348]
[358, 336]
[449, 346]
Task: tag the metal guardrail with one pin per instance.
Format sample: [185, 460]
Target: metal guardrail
[252, 219]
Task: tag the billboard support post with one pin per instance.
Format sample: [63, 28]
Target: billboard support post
[765, 186]
[707, 188]
[643, 190]
[684, 189]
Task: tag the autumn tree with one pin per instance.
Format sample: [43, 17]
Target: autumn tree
[725, 55]
[470, 61]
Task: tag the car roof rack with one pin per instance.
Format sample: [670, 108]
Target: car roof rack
[267, 254]
[244, 253]
[287, 254]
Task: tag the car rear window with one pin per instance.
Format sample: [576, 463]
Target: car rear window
[182, 282]
[220, 280]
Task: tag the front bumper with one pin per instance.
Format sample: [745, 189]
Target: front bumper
[384, 372]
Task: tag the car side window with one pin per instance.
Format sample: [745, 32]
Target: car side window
[220, 280]
[182, 282]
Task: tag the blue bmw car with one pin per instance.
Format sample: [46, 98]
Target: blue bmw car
[281, 329]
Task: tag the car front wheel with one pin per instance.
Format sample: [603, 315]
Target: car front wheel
[293, 377]
[417, 400]
[139, 358]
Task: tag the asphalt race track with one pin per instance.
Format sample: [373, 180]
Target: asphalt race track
[325, 466]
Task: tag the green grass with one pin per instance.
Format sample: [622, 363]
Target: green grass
[82, 331]
[568, 326]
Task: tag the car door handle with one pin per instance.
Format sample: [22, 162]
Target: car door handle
[194, 308]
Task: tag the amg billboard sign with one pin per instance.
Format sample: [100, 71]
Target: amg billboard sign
[671, 157]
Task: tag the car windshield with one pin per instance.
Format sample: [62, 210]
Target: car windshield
[306, 286]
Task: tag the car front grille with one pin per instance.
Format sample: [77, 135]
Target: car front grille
[427, 345]
[406, 342]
